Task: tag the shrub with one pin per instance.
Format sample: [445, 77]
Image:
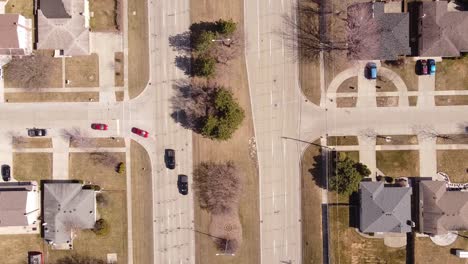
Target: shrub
[101, 227]
[121, 168]
[226, 117]
[225, 27]
[203, 41]
[204, 66]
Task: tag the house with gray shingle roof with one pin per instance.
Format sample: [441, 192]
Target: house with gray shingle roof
[63, 25]
[376, 35]
[441, 33]
[384, 208]
[66, 207]
[19, 204]
[441, 210]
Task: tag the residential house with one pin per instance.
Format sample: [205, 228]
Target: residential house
[374, 34]
[66, 207]
[16, 35]
[384, 208]
[63, 25]
[441, 210]
[19, 204]
[441, 33]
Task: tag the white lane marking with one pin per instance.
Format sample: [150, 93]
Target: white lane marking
[270, 47]
[175, 14]
[258, 28]
[273, 198]
[274, 247]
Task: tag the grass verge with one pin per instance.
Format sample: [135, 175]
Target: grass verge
[142, 205]
[32, 166]
[119, 69]
[51, 97]
[24, 142]
[397, 140]
[102, 143]
[138, 47]
[342, 141]
[447, 100]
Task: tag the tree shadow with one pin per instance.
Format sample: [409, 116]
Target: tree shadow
[181, 42]
[318, 172]
[184, 63]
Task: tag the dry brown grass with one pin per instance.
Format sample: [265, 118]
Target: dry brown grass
[446, 100]
[23, 7]
[398, 163]
[387, 101]
[342, 141]
[25, 142]
[428, 252]
[119, 96]
[407, 73]
[226, 226]
[454, 163]
[311, 211]
[138, 47]
[119, 69]
[33, 72]
[452, 139]
[347, 246]
[82, 71]
[51, 97]
[14, 248]
[413, 100]
[32, 166]
[350, 85]
[101, 143]
[89, 244]
[346, 102]
[83, 166]
[309, 78]
[452, 74]
[142, 204]
[236, 149]
[397, 140]
[106, 13]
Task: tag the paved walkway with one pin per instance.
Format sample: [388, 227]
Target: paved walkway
[60, 158]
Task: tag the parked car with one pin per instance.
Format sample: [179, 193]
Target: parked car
[37, 132]
[98, 126]
[6, 172]
[169, 158]
[371, 71]
[182, 184]
[422, 66]
[432, 66]
[140, 132]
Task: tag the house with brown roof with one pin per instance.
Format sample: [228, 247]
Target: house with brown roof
[19, 204]
[373, 33]
[63, 25]
[440, 209]
[16, 35]
[441, 33]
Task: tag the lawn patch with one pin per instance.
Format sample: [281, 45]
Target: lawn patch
[101, 142]
[413, 100]
[397, 140]
[452, 139]
[342, 141]
[387, 101]
[454, 163]
[106, 15]
[452, 74]
[26, 142]
[14, 248]
[342, 102]
[398, 163]
[98, 168]
[34, 97]
[407, 73]
[428, 252]
[347, 246]
[385, 85]
[446, 100]
[82, 71]
[350, 85]
[32, 166]
[119, 69]
[23, 7]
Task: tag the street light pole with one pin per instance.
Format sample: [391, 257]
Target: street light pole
[206, 234]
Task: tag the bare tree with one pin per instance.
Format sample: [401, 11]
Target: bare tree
[227, 49]
[31, 71]
[107, 159]
[362, 31]
[226, 246]
[218, 186]
[77, 137]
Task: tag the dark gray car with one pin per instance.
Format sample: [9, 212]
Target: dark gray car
[169, 158]
[6, 172]
[37, 132]
[182, 184]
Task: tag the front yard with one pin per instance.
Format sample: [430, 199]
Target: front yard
[82, 71]
[454, 163]
[32, 166]
[428, 252]
[452, 74]
[398, 163]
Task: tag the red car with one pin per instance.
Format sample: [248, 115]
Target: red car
[141, 133]
[423, 67]
[98, 126]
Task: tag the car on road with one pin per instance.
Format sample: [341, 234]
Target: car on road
[6, 172]
[182, 184]
[169, 158]
[432, 66]
[37, 132]
[140, 132]
[98, 126]
[422, 67]
[371, 71]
